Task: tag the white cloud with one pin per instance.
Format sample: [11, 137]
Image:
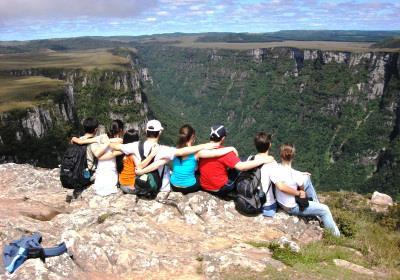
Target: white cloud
[162, 13]
[194, 8]
[209, 12]
[151, 19]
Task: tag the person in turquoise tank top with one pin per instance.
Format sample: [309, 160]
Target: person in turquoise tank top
[183, 177]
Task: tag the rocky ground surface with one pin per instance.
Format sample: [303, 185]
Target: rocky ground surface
[196, 236]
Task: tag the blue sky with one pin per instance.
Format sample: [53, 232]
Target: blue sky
[35, 19]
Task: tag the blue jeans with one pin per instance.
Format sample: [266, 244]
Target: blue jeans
[309, 189]
[229, 187]
[320, 210]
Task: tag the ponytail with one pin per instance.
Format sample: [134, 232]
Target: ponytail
[117, 126]
[186, 132]
[130, 136]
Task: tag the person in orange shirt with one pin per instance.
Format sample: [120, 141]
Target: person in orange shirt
[126, 164]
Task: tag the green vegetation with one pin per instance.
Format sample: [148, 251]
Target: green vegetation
[102, 85]
[374, 243]
[300, 35]
[190, 42]
[102, 100]
[24, 92]
[388, 43]
[336, 134]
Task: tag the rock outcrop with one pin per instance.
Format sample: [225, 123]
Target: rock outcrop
[196, 236]
[380, 202]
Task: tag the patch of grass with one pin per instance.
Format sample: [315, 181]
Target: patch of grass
[258, 244]
[86, 60]
[190, 42]
[103, 217]
[24, 92]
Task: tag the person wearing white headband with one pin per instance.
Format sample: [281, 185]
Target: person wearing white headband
[214, 171]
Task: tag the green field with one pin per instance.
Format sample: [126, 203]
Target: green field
[86, 60]
[23, 92]
[191, 42]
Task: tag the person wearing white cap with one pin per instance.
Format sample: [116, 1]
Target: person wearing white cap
[214, 171]
[153, 133]
[184, 179]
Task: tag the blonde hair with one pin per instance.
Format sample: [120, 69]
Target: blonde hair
[287, 152]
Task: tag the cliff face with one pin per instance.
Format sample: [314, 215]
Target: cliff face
[32, 134]
[340, 109]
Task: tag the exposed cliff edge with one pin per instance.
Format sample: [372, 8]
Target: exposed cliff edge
[119, 237]
[105, 94]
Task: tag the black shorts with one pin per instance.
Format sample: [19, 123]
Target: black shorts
[185, 190]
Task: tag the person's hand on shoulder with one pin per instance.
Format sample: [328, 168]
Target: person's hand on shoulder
[268, 159]
[104, 139]
[139, 171]
[74, 140]
[234, 151]
[155, 149]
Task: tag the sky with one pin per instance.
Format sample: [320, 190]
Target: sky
[39, 19]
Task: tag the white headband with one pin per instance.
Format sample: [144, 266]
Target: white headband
[216, 131]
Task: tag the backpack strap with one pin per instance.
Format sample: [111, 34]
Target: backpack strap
[55, 251]
[251, 157]
[141, 150]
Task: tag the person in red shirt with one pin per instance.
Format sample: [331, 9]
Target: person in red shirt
[214, 171]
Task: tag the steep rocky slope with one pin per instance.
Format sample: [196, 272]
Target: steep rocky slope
[31, 134]
[340, 109]
[119, 237]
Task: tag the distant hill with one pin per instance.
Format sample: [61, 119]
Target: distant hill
[301, 35]
[388, 43]
[94, 42]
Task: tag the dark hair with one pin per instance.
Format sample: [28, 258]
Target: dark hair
[262, 141]
[90, 125]
[117, 126]
[215, 138]
[152, 134]
[287, 152]
[186, 132]
[130, 136]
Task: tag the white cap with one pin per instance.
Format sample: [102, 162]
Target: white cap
[154, 125]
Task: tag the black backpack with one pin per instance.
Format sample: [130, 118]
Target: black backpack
[73, 172]
[250, 195]
[148, 185]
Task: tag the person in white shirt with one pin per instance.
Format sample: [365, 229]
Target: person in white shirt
[290, 183]
[262, 141]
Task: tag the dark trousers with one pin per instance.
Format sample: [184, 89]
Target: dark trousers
[185, 190]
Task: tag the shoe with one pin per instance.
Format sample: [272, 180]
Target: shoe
[127, 190]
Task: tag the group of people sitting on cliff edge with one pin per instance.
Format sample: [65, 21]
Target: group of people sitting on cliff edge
[120, 160]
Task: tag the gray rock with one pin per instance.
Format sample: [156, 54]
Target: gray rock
[120, 236]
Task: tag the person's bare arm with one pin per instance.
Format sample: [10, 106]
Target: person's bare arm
[110, 155]
[99, 150]
[215, 152]
[181, 152]
[151, 167]
[86, 141]
[146, 161]
[250, 164]
[286, 189]
[116, 146]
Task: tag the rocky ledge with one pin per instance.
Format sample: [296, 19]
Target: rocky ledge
[196, 236]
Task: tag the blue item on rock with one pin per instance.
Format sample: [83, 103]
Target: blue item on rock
[270, 210]
[18, 251]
